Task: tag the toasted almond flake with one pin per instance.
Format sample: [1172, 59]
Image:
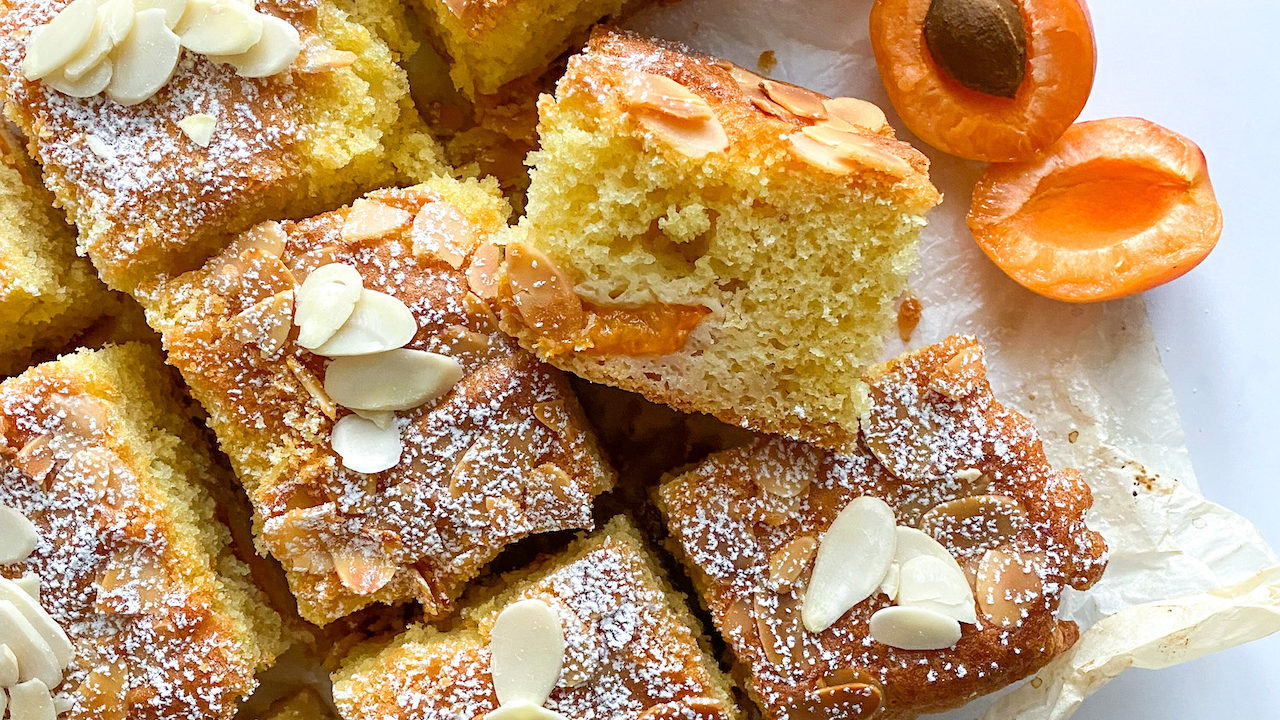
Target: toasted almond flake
[663, 95]
[267, 323]
[173, 9]
[694, 139]
[780, 632]
[370, 220]
[361, 573]
[325, 301]
[914, 628]
[53, 44]
[145, 60]
[969, 475]
[842, 152]
[219, 27]
[441, 231]
[378, 323]
[8, 667]
[789, 562]
[317, 57]
[483, 272]
[1008, 584]
[801, 101]
[400, 379]
[91, 83]
[934, 584]
[272, 54]
[542, 293]
[31, 700]
[526, 648]
[864, 530]
[962, 374]
[856, 112]
[364, 447]
[18, 536]
[199, 127]
[977, 521]
[312, 385]
[35, 458]
[788, 477]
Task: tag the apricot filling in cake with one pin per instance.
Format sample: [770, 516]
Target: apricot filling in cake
[715, 240]
[119, 597]
[391, 438]
[908, 577]
[199, 127]
[596, 631]
[47, 294]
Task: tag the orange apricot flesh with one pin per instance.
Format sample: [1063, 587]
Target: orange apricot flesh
[1114, 208]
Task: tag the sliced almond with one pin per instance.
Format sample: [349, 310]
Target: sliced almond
[856, 151]
[689, 708]
[219, 27]
[853, 558]
[523, 711]
[847, 701]
[934, 584]
[382, 418]
[801, 101]
[399, 379]
[52, 45]
[145, 60]
[378, 323]
[91, 83]
[858, 113]
[173, 9]
[962, 374]
[914, 543]
[365, 446]
[441, 231]
[325, 301]
[18, 536]
[780, 630]
[31, 700]
[318, 56]
[789, 562]
[1008, 585]
[975, 522]
[694, 139]
[663, 95]
[113, 22]
[29, 584]
[526, 649]
[361, 573]
[370, 220]
[35, 458]
[8, 668]
[483, 272]
[313, 386]
[785, 468]
[199, 127]
[49, 630]
[543, 294]
[914, 628]
[274, 52]
[35, 657]
[889, 586]
[266, 323]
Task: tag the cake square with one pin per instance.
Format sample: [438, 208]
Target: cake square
[500, 454]
[104, 469]
[631, 648]
[493, 43]
[150, 197]
[714, 240]
[765, 529]
[47, 294]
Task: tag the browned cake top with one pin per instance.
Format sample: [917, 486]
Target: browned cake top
[502, 455]
[628, 654]
[137, 185]
[949, 459]
[135, 603]
[696, 103]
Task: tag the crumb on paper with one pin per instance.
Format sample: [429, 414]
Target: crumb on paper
[767, 61]
[909, 311]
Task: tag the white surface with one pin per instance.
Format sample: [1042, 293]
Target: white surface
[1211, 70]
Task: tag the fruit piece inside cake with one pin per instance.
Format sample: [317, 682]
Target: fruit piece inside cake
[391, 438]
[491, 44]
[119, 595]
[909, 577]
[201, 122]
[714, 240]
[596, 631]
[47, 294]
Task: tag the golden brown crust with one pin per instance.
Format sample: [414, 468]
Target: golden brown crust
[632, 648]
[142, 601]
[533, 466]
[920, 448]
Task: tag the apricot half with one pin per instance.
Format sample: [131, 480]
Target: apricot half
[968, 79]
[1114, 208]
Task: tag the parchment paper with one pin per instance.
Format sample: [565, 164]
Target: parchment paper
[1186, 577]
